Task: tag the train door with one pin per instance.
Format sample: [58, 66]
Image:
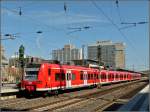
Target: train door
[85, 78]
[68, 78]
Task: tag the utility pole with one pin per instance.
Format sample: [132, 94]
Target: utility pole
[70, 51]
[133, 67]
[0, 64]
[83, 55]
[149, 39]
[99, 54]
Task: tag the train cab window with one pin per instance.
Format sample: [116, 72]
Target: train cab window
[73, 77]
[49, 71]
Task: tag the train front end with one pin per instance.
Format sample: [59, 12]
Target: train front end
[29, 82]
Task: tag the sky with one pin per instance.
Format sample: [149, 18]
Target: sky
[49, 17]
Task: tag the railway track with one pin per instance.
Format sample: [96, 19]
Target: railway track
[95, 102]
[66, 100]
[79, 100]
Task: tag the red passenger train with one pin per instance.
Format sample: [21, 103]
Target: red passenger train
[53, 77]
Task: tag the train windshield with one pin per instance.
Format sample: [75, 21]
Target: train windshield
[31, 75]
[31, 72]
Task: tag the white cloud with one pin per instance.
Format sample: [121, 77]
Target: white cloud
[60, 18]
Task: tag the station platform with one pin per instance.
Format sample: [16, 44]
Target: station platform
[140, 102]
[8, 90]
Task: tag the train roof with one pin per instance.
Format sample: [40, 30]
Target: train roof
[81, 68]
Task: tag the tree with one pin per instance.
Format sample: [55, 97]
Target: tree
[21, 59]
[21, 56]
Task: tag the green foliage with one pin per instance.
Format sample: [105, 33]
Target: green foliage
[21, 56]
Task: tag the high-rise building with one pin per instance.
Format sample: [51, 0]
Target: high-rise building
[4, 63]
[66, 54]
[108, 53]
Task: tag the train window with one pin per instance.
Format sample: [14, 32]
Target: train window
[81, 75]
[96, 76]
[91, 76]
[109, 76]
[120, 76]
[88, 76]
[73, 77]
[63, 76]
[103, 76]
[49, 71]
[116, 75]
[68, 76]
[112, 76]
[57, 76]
[99, 76]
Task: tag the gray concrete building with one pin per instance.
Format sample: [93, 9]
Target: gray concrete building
[67, 54]
[108, 53]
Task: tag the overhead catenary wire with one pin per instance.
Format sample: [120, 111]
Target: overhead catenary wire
[35, 21]
[125, 27]
[116, 26]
